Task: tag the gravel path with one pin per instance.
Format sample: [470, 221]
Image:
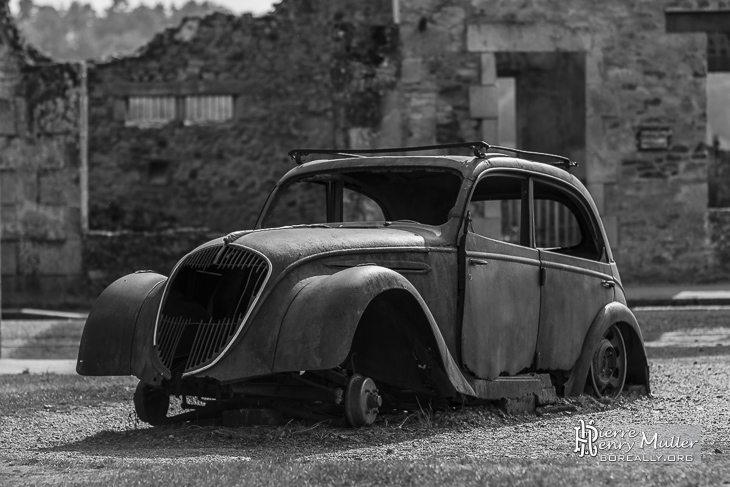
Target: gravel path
[62, 442]
[57, 429]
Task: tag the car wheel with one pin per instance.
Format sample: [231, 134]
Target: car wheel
[608, 367]
[361, 401]
[151, 404]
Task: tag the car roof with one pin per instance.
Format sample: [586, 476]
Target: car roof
[470, 167]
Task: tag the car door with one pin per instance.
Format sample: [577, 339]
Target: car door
[576, 281]
[501, 274]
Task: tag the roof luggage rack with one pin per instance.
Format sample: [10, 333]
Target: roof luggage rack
[479, 149]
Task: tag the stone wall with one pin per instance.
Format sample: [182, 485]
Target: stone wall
[314, 73]
[108, 255]
[653, 202]
[39, 170]
[343, 74]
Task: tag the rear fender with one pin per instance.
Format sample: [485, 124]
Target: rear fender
[319, 326]
[109, 344]
[638, 368]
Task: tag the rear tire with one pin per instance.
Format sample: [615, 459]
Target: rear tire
[151, 404]
[609, 364]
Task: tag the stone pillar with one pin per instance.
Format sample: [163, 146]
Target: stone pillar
[84, 147]
[484, 101]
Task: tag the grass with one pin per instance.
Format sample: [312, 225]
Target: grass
[24, 392]
[40, 339]
[655, 322]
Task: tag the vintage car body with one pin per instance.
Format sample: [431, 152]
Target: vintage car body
[336, 316]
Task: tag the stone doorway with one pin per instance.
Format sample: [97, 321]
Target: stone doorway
[550, 102]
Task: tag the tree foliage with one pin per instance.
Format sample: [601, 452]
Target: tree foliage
[79, 32]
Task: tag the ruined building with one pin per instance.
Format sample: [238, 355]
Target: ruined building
[187, 136]
[40, 173]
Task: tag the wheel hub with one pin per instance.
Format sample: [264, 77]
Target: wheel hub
[604, 363]
[362, 401]
[609, 364]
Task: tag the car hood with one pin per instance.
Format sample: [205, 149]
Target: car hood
[289, 244]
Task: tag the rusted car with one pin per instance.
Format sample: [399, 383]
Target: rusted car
[381, 280]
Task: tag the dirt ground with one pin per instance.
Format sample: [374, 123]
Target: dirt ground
[67, 430]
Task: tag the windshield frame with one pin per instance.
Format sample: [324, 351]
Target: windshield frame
[295, 176]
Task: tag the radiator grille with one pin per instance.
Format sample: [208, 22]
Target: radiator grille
[211, 293]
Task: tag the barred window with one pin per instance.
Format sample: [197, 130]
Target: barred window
[150, 111]
[555, 225]
[206, 109]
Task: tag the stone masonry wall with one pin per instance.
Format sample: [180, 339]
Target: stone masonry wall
[325, 73]
[342, 74]
[314, 73]
[653, 203]
[107, 256]
[39, 170]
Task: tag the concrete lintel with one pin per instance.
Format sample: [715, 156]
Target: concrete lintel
[680, 20]
[499, 37]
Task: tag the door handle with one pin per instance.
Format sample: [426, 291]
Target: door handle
[608, 284]
[478, 262]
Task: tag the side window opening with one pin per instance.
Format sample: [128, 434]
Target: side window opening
[563, 225]
[496, 208]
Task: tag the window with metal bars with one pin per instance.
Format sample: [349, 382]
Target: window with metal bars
[555, 225]
[156, 111]
[150, 111]
[564, 223]
[208, 109]
[561, 223]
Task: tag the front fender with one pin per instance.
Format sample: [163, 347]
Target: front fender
[638, 368]
[319, 326]
[108, 341]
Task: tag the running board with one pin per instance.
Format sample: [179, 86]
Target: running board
[510, 387]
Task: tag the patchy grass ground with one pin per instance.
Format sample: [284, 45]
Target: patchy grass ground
[40, 339]
[68, 430]
[654, 322]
